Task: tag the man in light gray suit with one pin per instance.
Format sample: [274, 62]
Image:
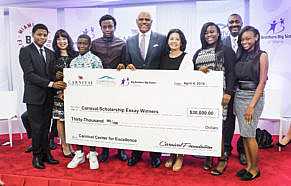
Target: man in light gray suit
[234, 25]
[144, 51]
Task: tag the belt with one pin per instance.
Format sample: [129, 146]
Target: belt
[247, 85]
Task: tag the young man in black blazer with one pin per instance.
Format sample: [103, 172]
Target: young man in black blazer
[37, 63]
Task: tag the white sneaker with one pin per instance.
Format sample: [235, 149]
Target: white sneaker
[78, 159]
[92, 156]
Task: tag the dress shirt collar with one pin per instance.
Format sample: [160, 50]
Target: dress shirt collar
[233, 41]
[38, 48]
[147, 34]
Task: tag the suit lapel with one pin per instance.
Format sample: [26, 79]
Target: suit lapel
[150, 47]
[152, 42]
[37, 55]
[48, 60]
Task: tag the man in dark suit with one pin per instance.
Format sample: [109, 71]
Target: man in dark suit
[37, 63]
[144, 51]
[52, 135]
[234, 25]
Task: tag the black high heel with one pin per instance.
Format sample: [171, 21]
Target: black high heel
[207, 165]
[71, 155]
[216, 172]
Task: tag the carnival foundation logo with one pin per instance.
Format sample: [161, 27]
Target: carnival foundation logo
[80, 82]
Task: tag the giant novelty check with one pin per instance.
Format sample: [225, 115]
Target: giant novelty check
[148, 110]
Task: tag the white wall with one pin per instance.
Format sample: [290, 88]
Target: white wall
[21, 21]
[83, 20]
[262, 14]
[169, 16]
[126, 19]
[3, 61]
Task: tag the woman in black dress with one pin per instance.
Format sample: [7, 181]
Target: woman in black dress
[64, 51]
[176, 44]
[251, 75]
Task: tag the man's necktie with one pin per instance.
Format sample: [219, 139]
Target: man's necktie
[234, 44]
[42, 55]
[142, 46]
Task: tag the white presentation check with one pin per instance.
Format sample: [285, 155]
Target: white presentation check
[149, 110]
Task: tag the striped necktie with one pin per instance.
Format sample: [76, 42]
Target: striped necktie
[142, 46]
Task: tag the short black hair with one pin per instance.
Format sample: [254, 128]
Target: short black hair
[39, 26]
[70, 49]
[203, 31]
[182, 38]
[107, 17]
[236, 15]
[85, 36]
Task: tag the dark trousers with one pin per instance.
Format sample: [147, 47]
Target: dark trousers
[137, 154]
[40, 119]
[26, 124]
[229, 126]
[54, 129]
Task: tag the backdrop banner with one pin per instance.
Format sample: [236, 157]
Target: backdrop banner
[21, 23]
[272, 18]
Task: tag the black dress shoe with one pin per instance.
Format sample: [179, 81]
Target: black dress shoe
[52, 144]
[37, 162]
[28, 149]
[122, 156]
[48, 158]
[248, 176]
[242, 159]
[241, 172]
[132, 161]
[104, 155]
[155, 162]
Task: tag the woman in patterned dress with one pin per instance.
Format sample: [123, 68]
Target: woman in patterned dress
[214, 56]
[64, 51]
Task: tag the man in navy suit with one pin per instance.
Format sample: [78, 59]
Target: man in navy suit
[144, 51]
[234, 25]
[37, 63]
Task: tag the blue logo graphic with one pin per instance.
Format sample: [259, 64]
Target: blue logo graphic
[106, 77]
[125, 81]
[275, 28]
